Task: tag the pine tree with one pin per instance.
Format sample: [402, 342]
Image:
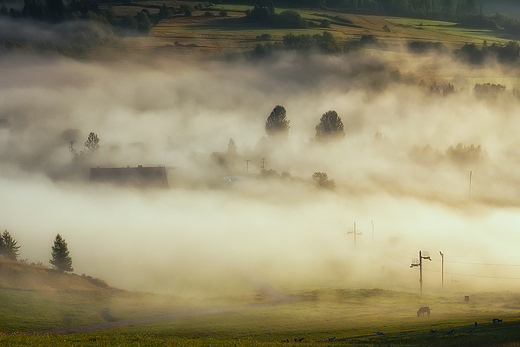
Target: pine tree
[277, 123]
[330, 127]
[8, 246]
[60, 255]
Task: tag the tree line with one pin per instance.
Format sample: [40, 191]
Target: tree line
[61, 260]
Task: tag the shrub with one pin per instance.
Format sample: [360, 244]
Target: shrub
[325, 23]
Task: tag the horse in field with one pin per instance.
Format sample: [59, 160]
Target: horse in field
[423, 310]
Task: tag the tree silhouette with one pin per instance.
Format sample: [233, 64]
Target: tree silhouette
[323, 180]
[92, 143]
[232, 148]
[330, 127]
[277, 123]
[60, 255]
[8, 247]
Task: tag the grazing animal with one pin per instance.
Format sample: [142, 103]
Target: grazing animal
[423, 310]
[285, 341]
[475, 325]
[496, 320]
[433, 331]
[452, 331]
[379, 333]
[332, 338]
[298, 340]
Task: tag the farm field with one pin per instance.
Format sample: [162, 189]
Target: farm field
[231, 34]
[351, 316]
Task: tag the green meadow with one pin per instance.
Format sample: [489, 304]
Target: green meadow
[352, 316]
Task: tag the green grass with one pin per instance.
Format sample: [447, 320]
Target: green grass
[352, 316]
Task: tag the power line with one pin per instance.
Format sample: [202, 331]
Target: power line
[400, 262]
[470, 275]
[463, 262]
[483, 276]
[395, 247]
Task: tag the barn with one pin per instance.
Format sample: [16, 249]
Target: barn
[140, 176]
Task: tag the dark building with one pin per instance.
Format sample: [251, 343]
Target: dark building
[139, 176]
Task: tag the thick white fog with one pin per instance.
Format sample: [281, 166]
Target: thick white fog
[201, 236]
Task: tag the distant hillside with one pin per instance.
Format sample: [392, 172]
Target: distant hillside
[22, 275]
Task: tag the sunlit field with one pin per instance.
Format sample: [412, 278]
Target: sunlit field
[346, 317]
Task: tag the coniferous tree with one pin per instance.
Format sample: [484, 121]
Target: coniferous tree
[60, 255]
[277, 124]
[329, 127]
[8, 247]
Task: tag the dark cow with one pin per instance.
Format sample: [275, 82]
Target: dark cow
[496, 320]
[423, 310]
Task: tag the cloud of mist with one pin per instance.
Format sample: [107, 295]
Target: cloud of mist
[200, 236]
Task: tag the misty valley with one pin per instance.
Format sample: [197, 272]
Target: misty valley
[246, 174]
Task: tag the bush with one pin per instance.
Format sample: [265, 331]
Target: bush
[289, 19]
[368, 40]
[264, 37]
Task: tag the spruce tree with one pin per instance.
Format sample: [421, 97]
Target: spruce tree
[277, 124]
[60, 255]
[330, 127]
[8, 247]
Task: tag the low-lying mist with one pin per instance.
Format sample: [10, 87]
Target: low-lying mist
[398, 167]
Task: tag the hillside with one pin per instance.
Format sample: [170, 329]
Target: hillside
[24, 276]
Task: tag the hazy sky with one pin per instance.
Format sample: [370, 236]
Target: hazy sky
[196, 236]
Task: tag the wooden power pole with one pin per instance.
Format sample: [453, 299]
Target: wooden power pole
[419, 264]
[355, 233]
[442, 268]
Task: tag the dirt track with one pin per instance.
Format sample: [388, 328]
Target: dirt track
[279, 299]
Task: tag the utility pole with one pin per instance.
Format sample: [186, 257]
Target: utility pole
[470, 174]
[442, 268]
[372, 232]
[414, 264]
[355, 233]
[263, 163]
[247, 164]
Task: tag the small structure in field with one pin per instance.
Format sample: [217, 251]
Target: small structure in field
[140, 176]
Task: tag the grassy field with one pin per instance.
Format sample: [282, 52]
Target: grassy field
[351, 316]
[231, 34]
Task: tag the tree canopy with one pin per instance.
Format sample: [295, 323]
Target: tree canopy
[329, 127]
[60, 255]
[277, 124]
[323, 181]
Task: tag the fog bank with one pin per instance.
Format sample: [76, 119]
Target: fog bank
[393, 168]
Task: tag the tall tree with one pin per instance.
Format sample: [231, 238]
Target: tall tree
[60, 255]
[231, 148]
[9, 249]
[277, 124]
[92, 143]
[329, 127]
